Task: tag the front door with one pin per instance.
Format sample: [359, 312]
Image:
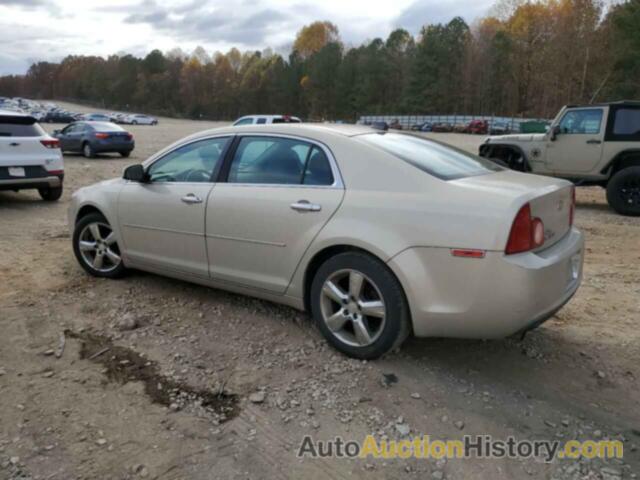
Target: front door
[578, 145]
[70, 137]
[162, 220]
[279, 194]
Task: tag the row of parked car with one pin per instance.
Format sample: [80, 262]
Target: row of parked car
[478, 127]
[47, 112]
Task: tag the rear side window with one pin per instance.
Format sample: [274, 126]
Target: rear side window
[106, 127]
[437, 159]
[627, 122]
[279, 161]
[20, 127]
[260, 121]
[285, 120]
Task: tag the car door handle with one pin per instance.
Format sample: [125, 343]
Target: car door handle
[594, 142]
[191, 199]
[305, 206]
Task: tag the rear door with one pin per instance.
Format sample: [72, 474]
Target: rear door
[578, 146]
[278, 194]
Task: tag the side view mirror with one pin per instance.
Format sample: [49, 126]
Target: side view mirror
[135, 173]
[555, 130]
[56, 132]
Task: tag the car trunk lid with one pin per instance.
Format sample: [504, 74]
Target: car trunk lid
[550, 200]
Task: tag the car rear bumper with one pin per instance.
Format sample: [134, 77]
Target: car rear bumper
[106, 147]
[492, 297]
[53, 181]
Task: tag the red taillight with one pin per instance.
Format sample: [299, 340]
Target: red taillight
[53, 143]
[129, 136]
[526, 234]
[572, 210]
[101, 136]
[55, 172]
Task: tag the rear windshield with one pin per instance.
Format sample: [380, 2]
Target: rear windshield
[435, 158]
[106, 127]
[19, 127]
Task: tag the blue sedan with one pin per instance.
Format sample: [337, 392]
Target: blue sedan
[91, 138]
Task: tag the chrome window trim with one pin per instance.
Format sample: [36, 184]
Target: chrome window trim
[338, 183]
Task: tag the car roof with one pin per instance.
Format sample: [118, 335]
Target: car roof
[11, 113]
[313, 130]
[622, 103]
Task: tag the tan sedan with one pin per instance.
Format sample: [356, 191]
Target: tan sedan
[376, 234]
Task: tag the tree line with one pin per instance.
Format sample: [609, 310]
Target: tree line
[527, 58]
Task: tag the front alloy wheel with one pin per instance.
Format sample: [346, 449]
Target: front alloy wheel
[96, 248]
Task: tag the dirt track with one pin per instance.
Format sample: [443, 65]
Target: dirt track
[72, 417]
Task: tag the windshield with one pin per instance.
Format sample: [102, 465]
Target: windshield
[437, 159]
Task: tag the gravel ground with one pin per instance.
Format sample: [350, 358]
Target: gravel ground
[149, 377]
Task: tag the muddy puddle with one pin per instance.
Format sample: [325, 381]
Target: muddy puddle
[124, 365]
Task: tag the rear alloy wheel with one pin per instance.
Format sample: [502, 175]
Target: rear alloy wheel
[623, 191]
[96, 248]
[359, 305]
[87, 150]
[50, 194]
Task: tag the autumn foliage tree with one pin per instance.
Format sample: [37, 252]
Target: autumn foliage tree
[526, 58]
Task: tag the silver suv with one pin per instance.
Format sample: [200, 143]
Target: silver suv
[29, 157]
[588, 145]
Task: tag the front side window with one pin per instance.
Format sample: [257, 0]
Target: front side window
[576, 122]
[279, 161]
[435, 158]
[244, 121]
[194, 162]
[261, 121]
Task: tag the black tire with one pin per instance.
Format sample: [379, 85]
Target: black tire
[80, 226]
[125, 154]
[50, 194]
[623, 191]
[88, 151]
[396, 326]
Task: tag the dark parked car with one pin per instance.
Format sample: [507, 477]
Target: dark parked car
[422, 127]
[500, 128]
[92, 138]
[58, 117]
[379, 125]
[442, 127]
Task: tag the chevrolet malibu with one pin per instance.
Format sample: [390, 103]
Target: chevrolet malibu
[376, 234]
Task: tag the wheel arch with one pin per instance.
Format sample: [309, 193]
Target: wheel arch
[326, 253]
[626, 158]
[486, 150]
[87, 210]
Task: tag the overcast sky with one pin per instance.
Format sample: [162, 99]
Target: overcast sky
[32, 30]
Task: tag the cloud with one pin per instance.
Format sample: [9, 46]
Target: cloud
[207, 22]
[24, 3]
[424, 12]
